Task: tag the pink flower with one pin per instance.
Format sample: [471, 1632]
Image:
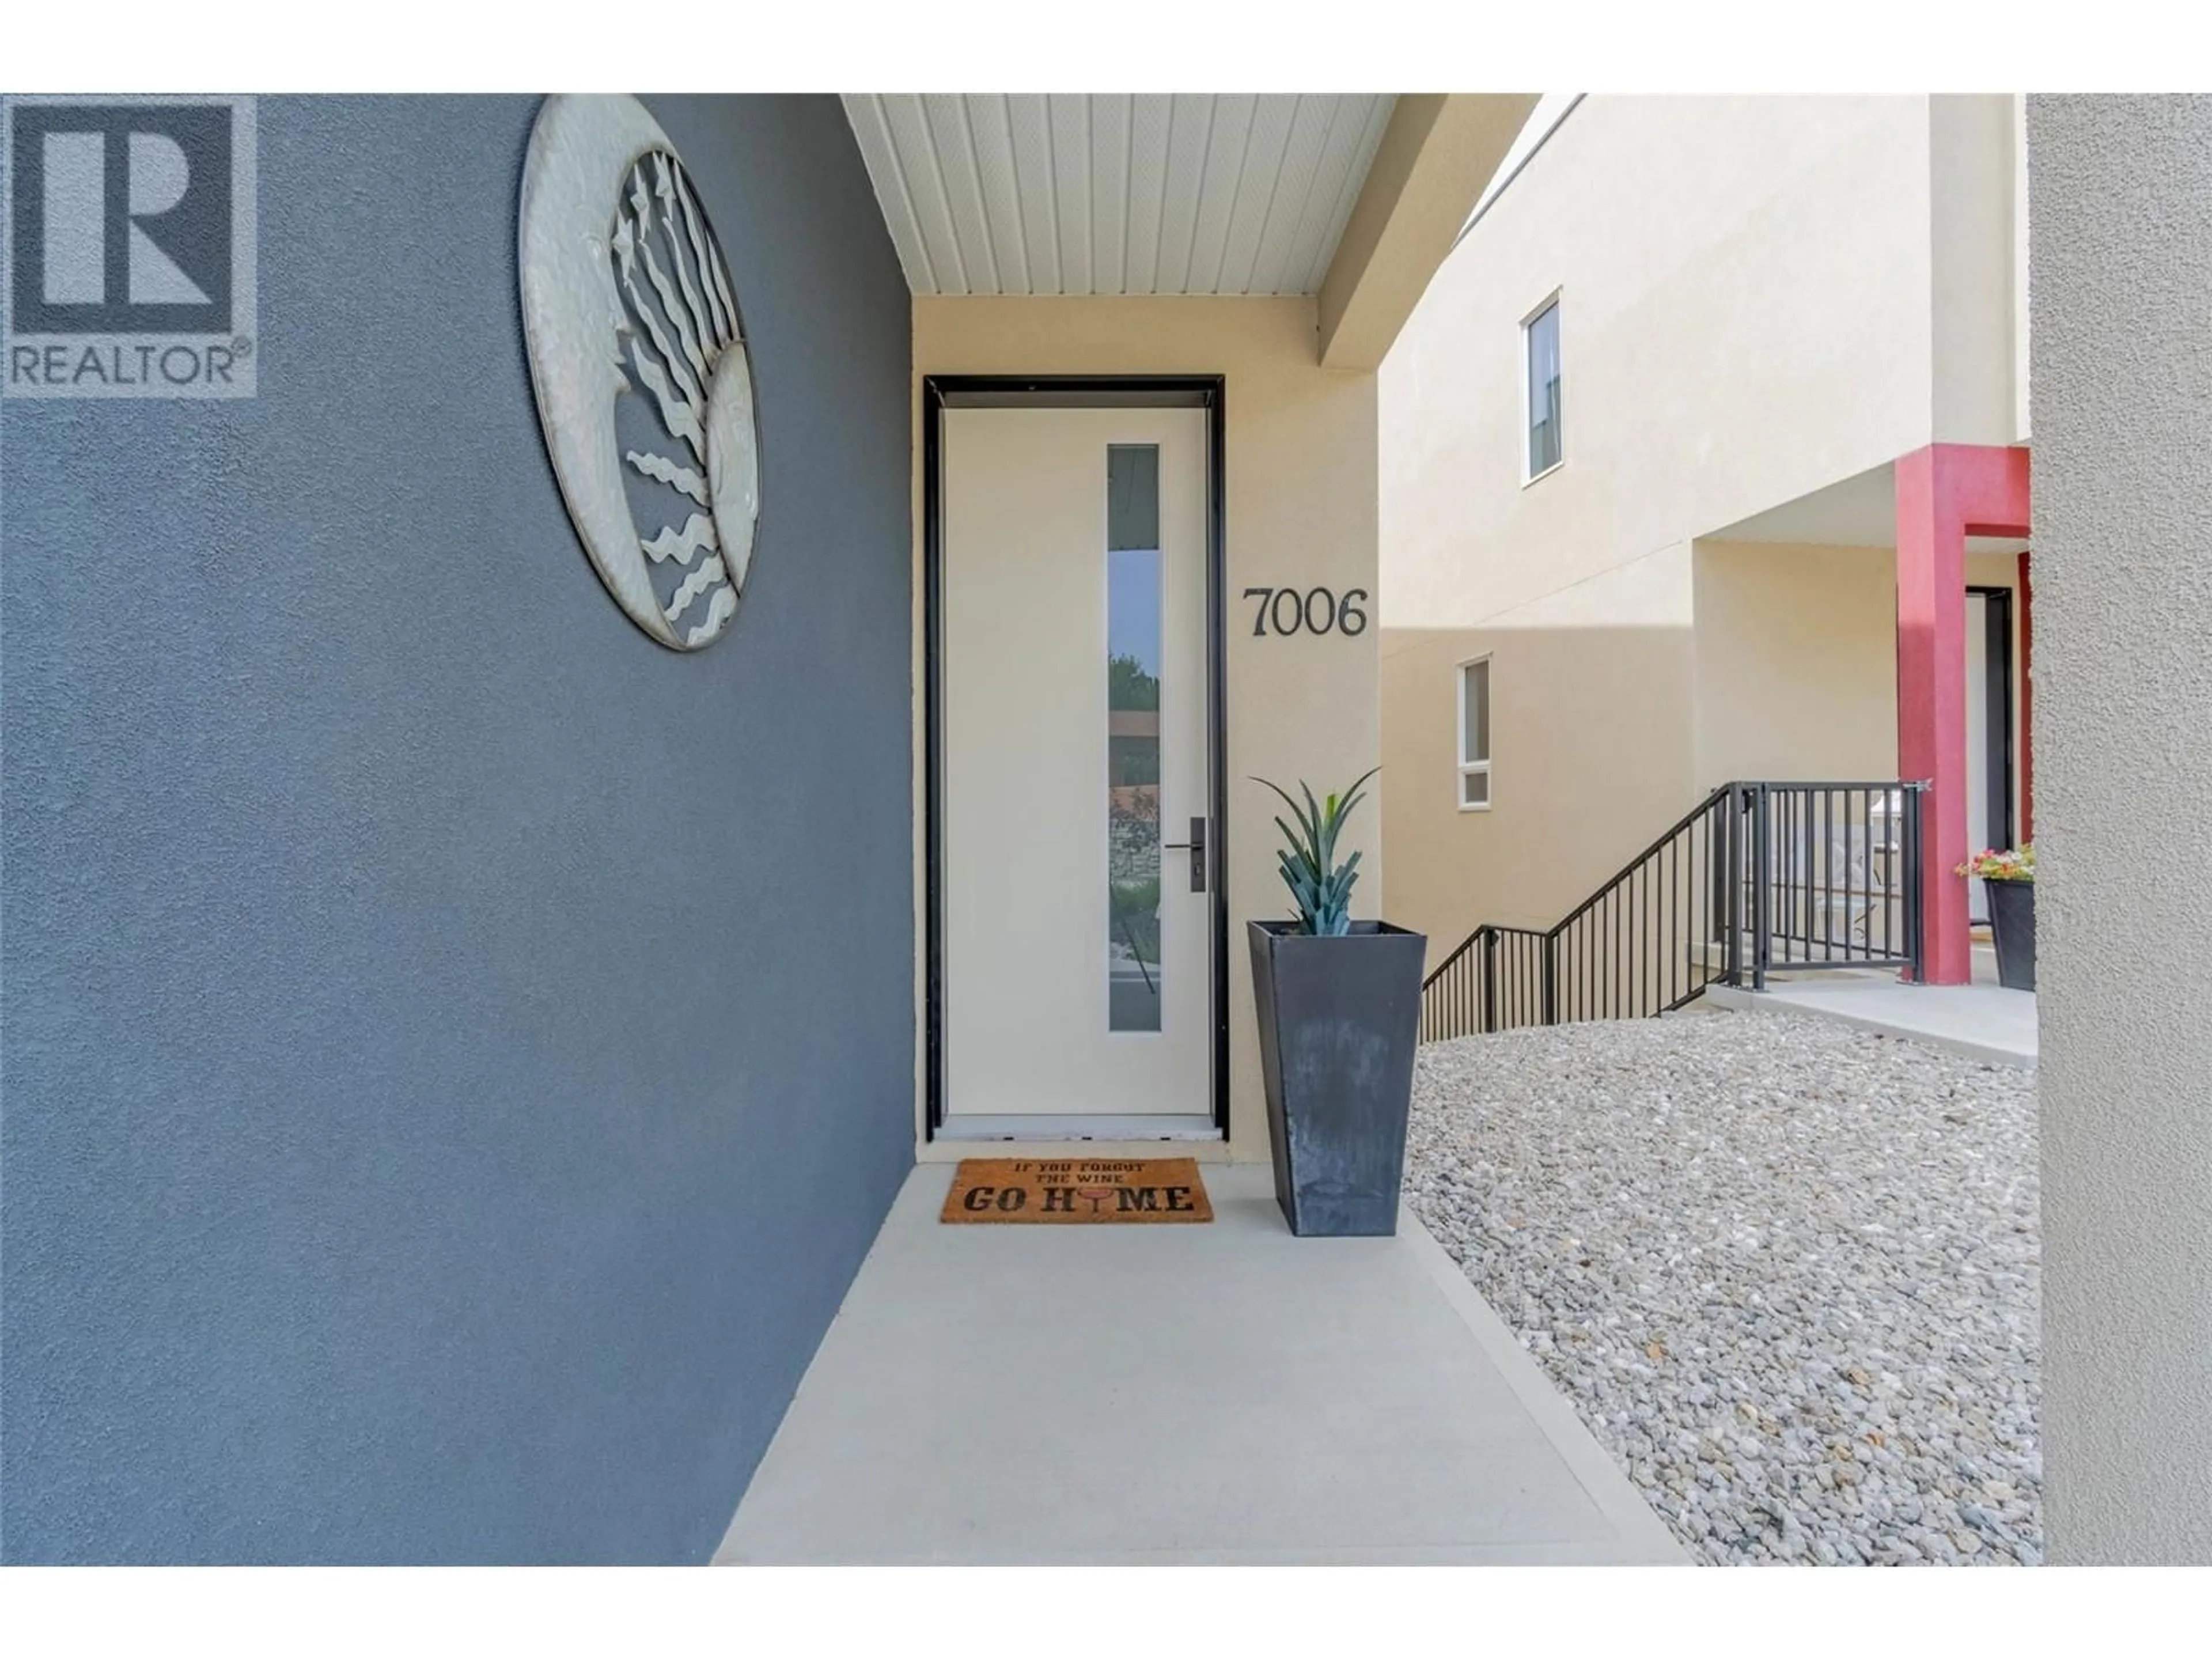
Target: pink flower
[1993, 864]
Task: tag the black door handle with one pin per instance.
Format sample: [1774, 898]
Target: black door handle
[1196, 848]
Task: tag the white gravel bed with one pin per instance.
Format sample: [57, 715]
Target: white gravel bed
[1787, 1270]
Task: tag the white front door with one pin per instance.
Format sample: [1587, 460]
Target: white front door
[1078, 951]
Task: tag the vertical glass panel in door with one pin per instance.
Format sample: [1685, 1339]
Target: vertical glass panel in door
[1132, 736]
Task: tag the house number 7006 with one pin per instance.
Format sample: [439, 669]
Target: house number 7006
[1285, 610]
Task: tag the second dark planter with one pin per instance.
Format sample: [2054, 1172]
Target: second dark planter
[2012, 929]
[1339, 1018]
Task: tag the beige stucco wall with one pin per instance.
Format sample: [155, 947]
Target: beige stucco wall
[2022, 313]
[1975, 343]
[1797, 659]
[1796, 662]
[1744, 295]
[1618, 703]
[1591, 723]
[1299, 511]
[1750, 293]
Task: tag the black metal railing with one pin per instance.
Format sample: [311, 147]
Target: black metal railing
[1758, 879]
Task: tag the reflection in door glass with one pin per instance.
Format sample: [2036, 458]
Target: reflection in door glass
[1132, 736]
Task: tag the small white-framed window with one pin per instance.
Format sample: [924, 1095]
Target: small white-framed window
[1539, 391]
[1475, 735]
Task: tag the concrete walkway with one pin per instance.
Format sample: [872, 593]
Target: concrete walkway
[1986, 1021]
[1177, 1393]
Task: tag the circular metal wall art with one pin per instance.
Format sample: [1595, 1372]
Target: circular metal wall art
[625, 291]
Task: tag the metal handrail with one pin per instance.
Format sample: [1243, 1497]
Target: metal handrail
[1753, 880]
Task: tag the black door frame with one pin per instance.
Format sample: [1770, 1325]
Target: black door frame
[1997, 759]
[939, 392]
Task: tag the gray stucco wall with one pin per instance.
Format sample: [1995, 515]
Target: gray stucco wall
[456, 1052]
[2120, 215]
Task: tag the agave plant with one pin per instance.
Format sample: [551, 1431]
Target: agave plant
[1320, 887]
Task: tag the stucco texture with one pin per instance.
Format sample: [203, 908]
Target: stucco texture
[457, 1051]
[1688, 241]
[1797, 658]
[1796, 672]
[1590, 750]
[1761, 299]
[2121, 209]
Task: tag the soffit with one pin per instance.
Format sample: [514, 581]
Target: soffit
[1117, 193]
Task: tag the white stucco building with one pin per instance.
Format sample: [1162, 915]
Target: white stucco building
[1646, 447]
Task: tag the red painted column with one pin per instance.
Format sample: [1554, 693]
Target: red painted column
[1945, 493]
[1931, 704]
[2026, 701]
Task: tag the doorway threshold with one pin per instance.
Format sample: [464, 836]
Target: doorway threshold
[1053, 1126]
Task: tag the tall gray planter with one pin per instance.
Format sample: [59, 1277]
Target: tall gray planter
[2012, 930]
[1339, 1018]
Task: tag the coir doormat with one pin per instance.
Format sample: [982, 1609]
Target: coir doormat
[1079, 1191]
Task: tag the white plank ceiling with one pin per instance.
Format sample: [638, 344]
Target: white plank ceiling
[1127, 193]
